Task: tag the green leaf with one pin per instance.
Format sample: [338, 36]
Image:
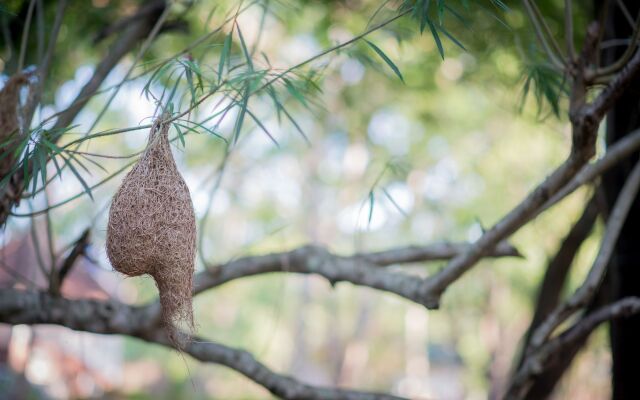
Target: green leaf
[548, 86]
[191, 88]
[501, 5]
[73, 169]
[168, 103]
[97, 164]
[240, 120]
[454, 40]
[457, 15]
[226, 48]
[180, 134]
[281, 110]
[440, 11]
[157, 74]
[58, 169]
[5, 10]
[199, 125]
[41, 154]
[371, 204]
[25, 168]
[74, 158]
[291, 88]
[264, 128]
[386, 59]
[295, 124]
[396, 205]
[421, 13]
[193, 67]
[436, 38]
[247, 56]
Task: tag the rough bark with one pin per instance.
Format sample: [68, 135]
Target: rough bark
[624, 268]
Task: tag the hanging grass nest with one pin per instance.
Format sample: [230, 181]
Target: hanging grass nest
[9, 122]
[152, 230]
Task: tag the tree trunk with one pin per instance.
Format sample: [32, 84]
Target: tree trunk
[625, 263]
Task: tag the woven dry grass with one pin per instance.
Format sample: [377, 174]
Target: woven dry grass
[9, 121]
[152, 230]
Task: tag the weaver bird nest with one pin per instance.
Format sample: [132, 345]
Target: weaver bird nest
[9, 122]
[152, 230]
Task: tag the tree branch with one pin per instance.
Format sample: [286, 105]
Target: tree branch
[112, 317]
[78, 249]
[43, 68]
[558, 268]
[620, 150]
[434, 286]
[536, 362]
[565, 179]
[585, 292]
[10, 193]
[362, 269]
[616, 87]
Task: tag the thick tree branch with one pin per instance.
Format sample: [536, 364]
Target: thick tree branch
[31, 307]
[620, 150]
[563, 181]
[360, 269]
[314, 260]
[434, 286]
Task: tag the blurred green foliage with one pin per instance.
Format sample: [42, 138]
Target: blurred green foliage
[419, 135]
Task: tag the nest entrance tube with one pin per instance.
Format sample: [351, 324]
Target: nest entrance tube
[152, 230]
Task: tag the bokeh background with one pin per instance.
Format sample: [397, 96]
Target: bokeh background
[387, 163]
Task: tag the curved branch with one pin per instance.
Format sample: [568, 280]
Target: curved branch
[362, 269]
[605, 100]
[314, 260]
[620, 150]
[555, 277]
[557, 186]
[586, 291]
[434, 286]
[112, 317]
[536, 362]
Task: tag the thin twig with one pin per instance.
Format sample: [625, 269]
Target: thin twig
[78, 250]
[25, 35]
[43, 69]
[554, 58]
[40, 30]
[626, 56]
[625, 12]
[49, 226]
[568, 29]
[36, 246]
[145, 46]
